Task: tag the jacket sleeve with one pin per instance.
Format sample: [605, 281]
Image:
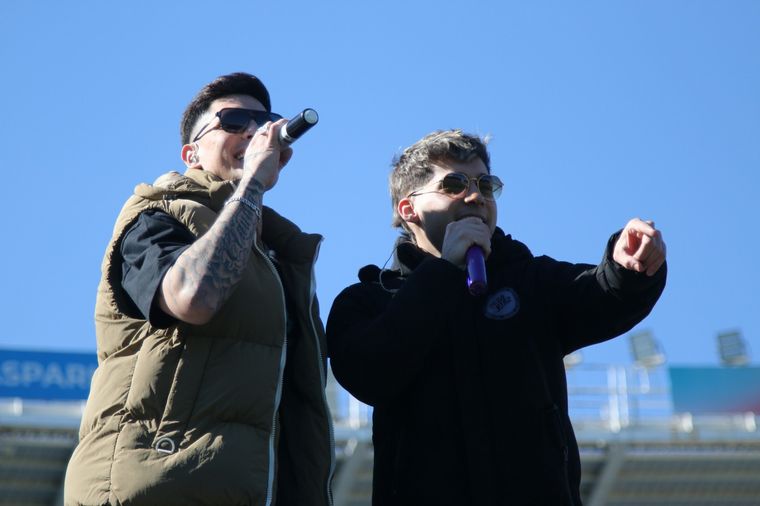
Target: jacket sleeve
[594, 304]
[378, 341]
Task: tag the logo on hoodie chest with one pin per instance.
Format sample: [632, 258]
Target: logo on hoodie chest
[502, 305]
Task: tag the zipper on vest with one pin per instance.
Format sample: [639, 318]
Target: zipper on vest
[322, 375]
[278, 393]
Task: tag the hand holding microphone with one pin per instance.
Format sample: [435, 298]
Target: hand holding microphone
[466, 243]
[277, 137]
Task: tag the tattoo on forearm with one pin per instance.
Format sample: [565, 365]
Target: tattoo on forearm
[214, 264]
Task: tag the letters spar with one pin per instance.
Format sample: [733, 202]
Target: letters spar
[27, 373]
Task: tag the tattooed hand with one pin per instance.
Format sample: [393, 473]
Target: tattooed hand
[265, 158]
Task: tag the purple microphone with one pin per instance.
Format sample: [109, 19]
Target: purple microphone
[476, 271]
[297, 126]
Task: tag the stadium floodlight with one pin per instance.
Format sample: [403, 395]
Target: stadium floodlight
[646, 350]
[733, 349]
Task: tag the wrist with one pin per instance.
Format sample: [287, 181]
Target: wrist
[252, 189]
[248, 203]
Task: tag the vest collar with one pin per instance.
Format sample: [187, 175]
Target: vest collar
[283, 236]
[280, 234]
[218, 189]
[198, 185]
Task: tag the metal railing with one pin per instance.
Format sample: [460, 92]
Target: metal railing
[609, 402]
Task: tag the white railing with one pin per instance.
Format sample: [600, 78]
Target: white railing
[17, 412]
[609, 402]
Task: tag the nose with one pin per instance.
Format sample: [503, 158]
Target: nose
[474, 196]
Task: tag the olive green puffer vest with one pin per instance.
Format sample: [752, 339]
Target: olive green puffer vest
[230, 412]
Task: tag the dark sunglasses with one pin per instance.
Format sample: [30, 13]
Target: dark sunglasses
[235, 121]
[456, 184]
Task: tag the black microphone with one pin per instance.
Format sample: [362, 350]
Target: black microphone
[298, 126]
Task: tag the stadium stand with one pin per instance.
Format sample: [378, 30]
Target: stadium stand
[648, 436]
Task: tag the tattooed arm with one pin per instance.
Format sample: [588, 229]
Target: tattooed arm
[204, 275]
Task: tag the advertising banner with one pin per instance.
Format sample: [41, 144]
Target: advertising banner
[714, 390]
[46, 375]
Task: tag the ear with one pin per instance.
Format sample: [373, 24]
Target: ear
[190, 156]
[405, 209]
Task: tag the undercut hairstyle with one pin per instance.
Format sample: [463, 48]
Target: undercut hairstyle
[238, 83]
[412, 169]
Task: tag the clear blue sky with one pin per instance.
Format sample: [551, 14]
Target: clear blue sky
[600, 111]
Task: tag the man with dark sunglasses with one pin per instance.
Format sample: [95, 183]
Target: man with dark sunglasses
[469, 392]
[211, 376]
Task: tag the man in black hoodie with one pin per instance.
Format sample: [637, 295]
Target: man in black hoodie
[469, 392]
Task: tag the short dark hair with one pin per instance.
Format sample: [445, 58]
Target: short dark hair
[412, 170]
[238, 83]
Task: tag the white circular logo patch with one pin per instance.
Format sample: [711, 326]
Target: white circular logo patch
[502, 305]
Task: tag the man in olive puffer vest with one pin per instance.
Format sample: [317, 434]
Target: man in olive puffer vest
[210, 385]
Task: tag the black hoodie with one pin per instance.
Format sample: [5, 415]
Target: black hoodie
[469, 393]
